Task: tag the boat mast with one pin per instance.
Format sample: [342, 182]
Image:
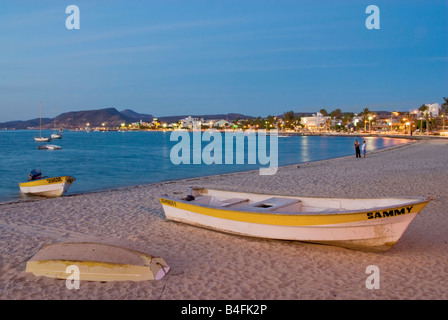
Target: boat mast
[40, 120]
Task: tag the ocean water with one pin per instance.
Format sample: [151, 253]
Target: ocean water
[108, 160]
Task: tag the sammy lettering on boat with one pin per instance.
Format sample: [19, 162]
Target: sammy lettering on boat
[212, 153]
[389, 213]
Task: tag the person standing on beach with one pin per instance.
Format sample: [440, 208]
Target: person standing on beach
[364, 148]
[358, 152]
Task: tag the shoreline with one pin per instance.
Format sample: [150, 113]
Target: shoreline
[210, 265]
[375, 135]
[420, 136]
[199, 177]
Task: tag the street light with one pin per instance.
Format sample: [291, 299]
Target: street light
[391, 119]
[390, 132]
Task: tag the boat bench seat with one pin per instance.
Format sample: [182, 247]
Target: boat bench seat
[212, 201]
[202, 200]
[226, 202]
[328, 210]
[275, 203]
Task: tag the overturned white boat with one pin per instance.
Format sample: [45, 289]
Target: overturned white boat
[362, 224]
[96, 262]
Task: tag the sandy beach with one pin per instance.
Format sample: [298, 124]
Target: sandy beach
[209, 265]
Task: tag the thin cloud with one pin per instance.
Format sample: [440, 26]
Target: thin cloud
[135, 49]
[12, 21]
[134, 31]
[262, 68]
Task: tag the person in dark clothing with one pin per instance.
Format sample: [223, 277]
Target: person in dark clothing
[358, 151]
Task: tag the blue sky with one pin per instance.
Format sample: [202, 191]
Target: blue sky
[218, 56]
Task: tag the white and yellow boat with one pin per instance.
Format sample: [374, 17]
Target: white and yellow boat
[96, 262]
[360, 224]
[47, 187]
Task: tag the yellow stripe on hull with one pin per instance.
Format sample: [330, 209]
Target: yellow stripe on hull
[50, 187]
[300, 219]
[96, 262]
[48, 181]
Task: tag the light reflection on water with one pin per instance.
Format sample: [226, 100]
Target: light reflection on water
[106, 160]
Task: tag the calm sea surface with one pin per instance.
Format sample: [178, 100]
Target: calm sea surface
[107, 160]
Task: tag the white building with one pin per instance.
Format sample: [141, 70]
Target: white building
[190, 122]
[433, 109]
[316, 121]
[356, 119]
[220, 123]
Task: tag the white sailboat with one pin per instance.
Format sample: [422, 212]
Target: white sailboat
[40, 138]
[55, 135]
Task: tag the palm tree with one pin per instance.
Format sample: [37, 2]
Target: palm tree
[365, 116]
[328, 124]
[270, 122]
[347, 118]
[424, 110]
[335, 114]
[289, 118]
[444, 109]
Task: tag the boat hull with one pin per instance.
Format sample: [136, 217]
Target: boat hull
[49, 147]
[369, 230]
[96, 262]
[50, 187]
[42, 139]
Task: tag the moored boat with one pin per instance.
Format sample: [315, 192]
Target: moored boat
[49, 147]
[360, 224]
[46, 187]
[56, 136]
[40, 138]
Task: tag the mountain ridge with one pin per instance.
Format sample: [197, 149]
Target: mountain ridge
[108, 117]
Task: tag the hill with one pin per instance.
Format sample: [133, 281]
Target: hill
[26, 124]
[137, 116]
[110, 117]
